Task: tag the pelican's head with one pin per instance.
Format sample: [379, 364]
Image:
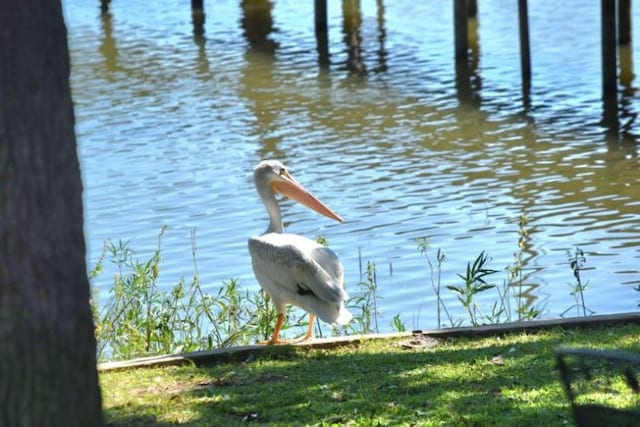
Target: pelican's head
[274, 175]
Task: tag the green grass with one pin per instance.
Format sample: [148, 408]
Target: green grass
[497, 381]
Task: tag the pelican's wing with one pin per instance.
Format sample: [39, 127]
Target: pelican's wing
[299, 265]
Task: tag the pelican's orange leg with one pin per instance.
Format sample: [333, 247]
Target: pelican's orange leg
[309, 335]
[276, 333]
[275, 339]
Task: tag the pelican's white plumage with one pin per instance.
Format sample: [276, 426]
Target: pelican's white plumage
[293, 269]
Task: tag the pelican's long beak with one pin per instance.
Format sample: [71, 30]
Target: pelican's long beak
[291, 188]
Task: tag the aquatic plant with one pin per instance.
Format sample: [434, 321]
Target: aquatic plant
[516, 278]
[436, 281]
[577, 260]
[397, 324]
[365, 304]
[474, 282]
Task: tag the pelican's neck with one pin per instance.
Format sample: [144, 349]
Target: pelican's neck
[269, 199]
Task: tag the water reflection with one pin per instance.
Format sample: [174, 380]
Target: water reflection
[354, 41]
[202, 60]
[474, 62]
[257, 24]
[108, 48]
[199, 38]
[351, 29]
[627, 114]
[467, 54]
[259, 85]
[382, 37]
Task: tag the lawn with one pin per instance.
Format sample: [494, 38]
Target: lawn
[506, 380]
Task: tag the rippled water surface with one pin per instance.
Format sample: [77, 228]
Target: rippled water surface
[170, 125]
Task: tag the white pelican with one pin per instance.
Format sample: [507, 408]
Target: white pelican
[291, 268]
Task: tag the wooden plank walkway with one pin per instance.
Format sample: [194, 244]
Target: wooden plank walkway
[247, 352]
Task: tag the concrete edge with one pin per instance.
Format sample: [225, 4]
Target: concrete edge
[219, 355]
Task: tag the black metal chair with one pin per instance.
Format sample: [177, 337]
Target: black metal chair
[592, 378]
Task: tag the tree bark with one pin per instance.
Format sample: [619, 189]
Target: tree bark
[48, 374]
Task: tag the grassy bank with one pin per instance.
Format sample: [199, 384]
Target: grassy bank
[496, 381]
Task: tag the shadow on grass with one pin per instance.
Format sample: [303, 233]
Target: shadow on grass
[139, 421]
[513, 382]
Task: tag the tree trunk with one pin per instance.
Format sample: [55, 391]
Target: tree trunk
[48, 374]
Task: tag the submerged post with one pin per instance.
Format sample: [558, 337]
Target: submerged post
[461, 29]
[322, 32]
[472, 8]
[197, 14]
[525, 53]
[197, 6]
[461, 33]
[104, 6]
[609, 64]
[625, 48]
[624, 22]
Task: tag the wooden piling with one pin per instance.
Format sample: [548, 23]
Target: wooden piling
[461, 36]
[472, 8]
[624, 22]
[525, 52]
[197, 15]
[322, 31]
[625, 50]
[461, 29]
[104, 6]
[609, 64]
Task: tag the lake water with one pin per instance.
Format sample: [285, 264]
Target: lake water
[169, 127]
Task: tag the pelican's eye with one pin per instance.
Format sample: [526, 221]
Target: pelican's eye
[283, 172]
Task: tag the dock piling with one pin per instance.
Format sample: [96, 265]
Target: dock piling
[624, 22]
[104, 6]
[525, 52]
[197, 15]
[461, 35]
[609, 64]
[322, 31]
